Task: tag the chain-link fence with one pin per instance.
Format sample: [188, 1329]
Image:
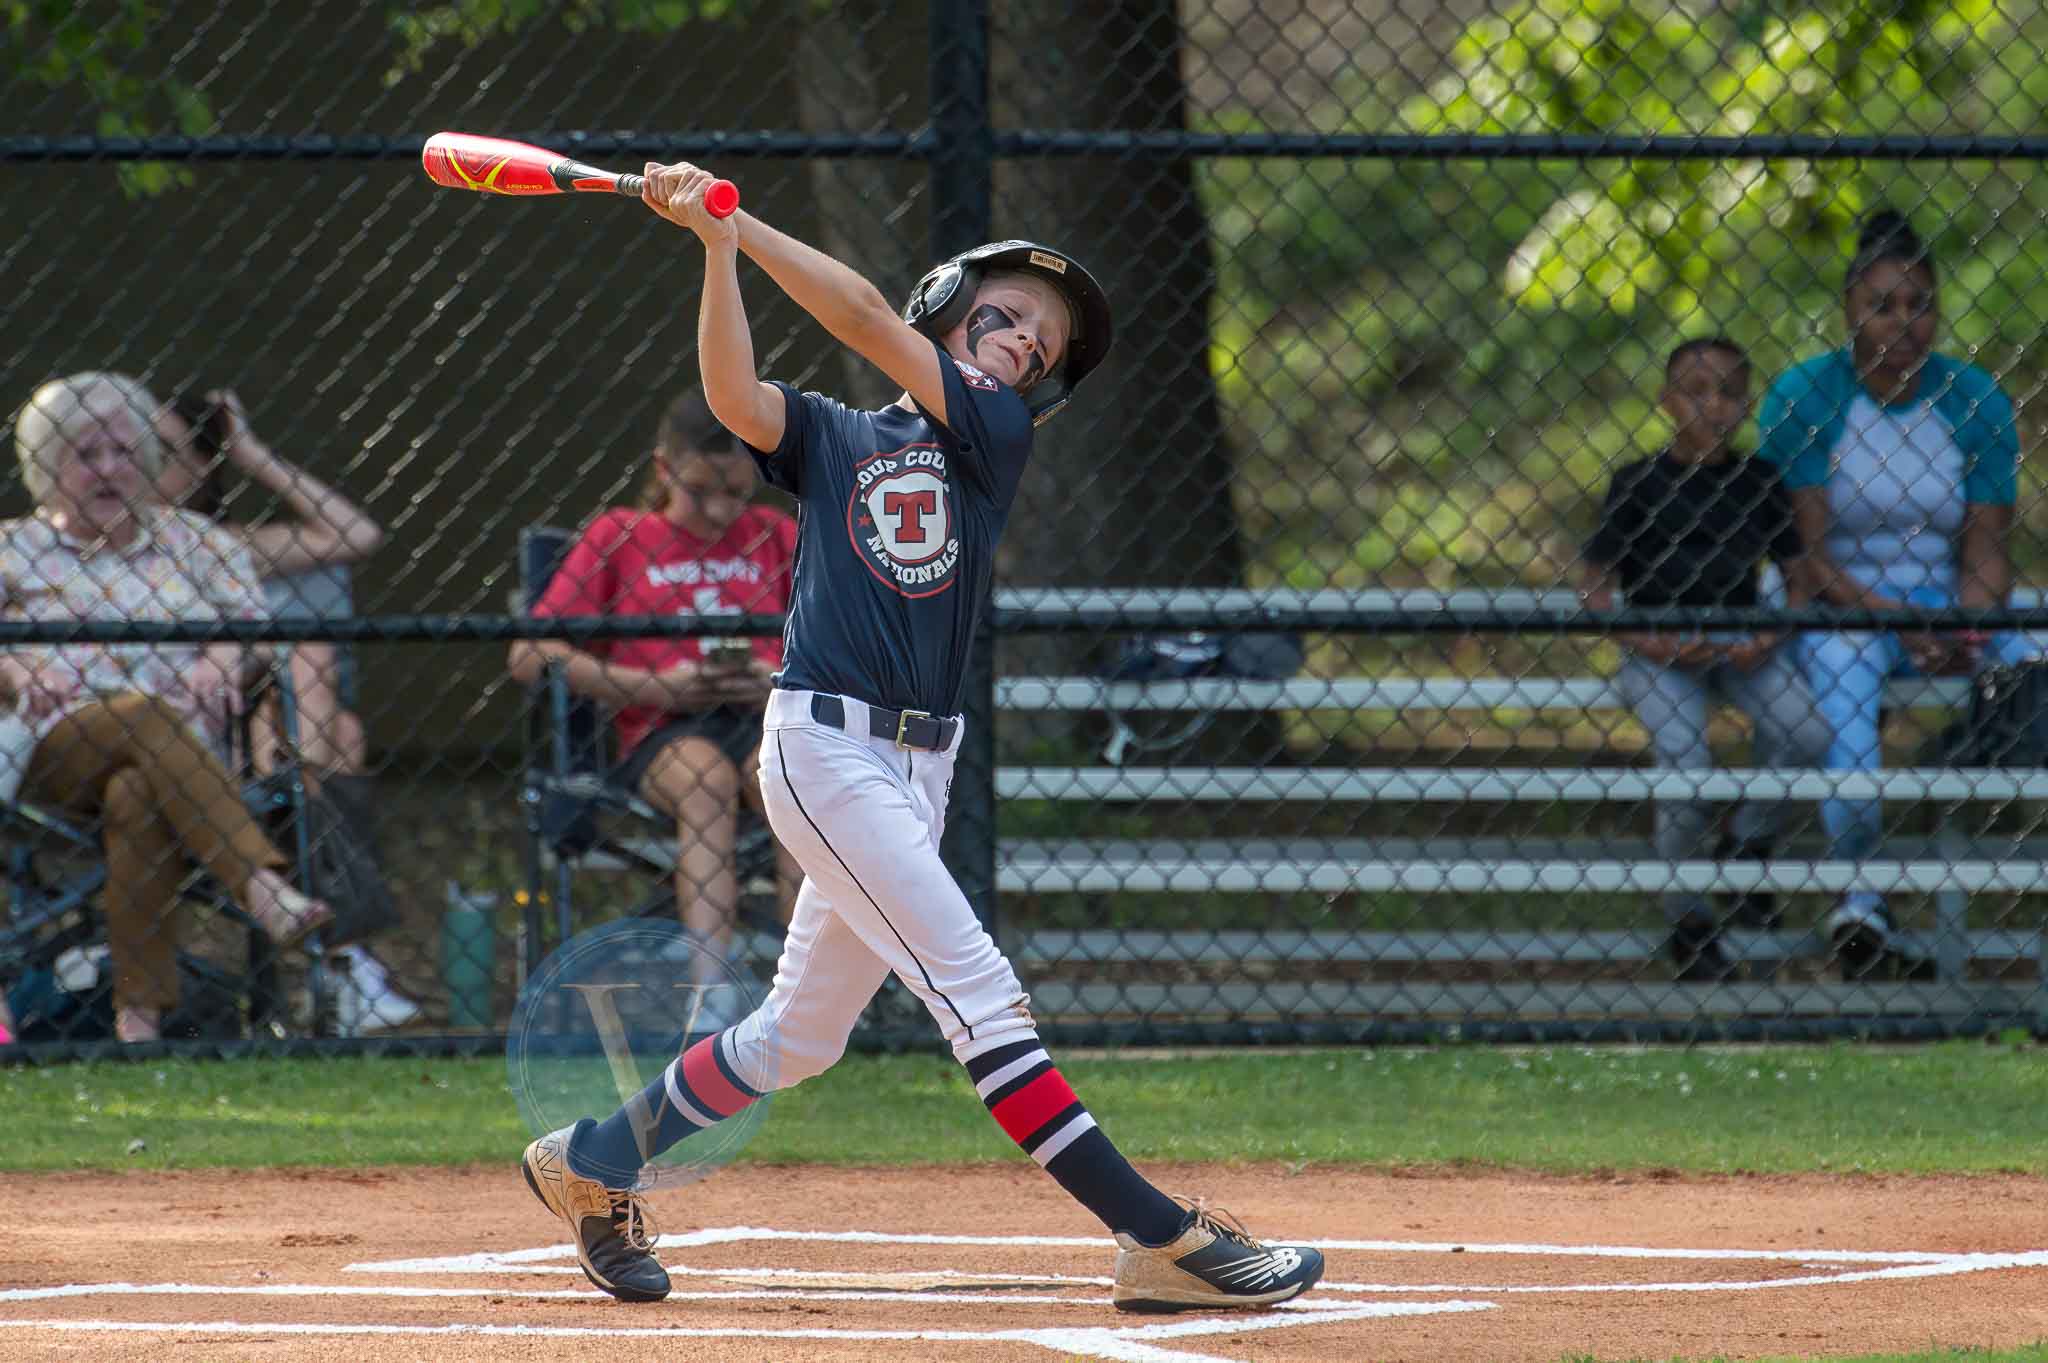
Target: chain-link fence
[1551, 552]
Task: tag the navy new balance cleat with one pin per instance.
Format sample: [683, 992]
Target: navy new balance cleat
[614, 1238]
[1212, 1264]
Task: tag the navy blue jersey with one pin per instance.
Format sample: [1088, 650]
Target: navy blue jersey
[898, 520]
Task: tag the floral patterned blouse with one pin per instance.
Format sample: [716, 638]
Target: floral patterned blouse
[181, 566]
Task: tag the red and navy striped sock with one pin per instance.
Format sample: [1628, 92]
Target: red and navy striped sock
[697, 1089]
[1032, 1102]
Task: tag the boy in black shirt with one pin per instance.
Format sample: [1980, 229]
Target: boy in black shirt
[1691, 528]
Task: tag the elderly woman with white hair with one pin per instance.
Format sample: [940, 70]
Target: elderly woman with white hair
[127, 733]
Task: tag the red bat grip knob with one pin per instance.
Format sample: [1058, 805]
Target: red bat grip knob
[721, 197]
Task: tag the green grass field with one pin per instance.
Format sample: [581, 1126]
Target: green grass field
[1958, 1107]
[1951, 1108]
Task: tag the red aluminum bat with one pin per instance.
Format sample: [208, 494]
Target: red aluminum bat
[495, 165]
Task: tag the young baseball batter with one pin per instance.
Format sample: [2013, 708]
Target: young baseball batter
[900, 513]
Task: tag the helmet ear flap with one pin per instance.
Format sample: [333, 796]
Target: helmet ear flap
[942, 298]
[1047, 398]
[945, 295]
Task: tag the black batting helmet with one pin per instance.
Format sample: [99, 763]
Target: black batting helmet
[942, 298]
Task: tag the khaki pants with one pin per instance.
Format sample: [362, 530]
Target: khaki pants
[163, 801]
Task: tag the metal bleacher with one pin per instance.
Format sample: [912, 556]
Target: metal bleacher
[1949, 865]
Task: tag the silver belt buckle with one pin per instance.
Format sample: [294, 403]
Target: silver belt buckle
[903, 722]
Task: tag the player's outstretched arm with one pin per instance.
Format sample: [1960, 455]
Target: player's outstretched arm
[743, 404]
[747, 407]
[841, 301]
[849, 307]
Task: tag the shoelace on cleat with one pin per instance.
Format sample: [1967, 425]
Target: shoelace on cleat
[632, 1221]
[1217, 1221]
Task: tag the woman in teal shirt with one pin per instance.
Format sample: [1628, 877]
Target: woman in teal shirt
[1901, 463]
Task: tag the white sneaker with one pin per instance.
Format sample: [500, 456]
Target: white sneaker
[365, 1000]
[387, 1012]
[367, 969]
[1212, 1264]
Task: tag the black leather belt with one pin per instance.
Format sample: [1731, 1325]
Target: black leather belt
[917, 729]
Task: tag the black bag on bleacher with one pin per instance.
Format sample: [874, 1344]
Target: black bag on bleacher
[1254, 656]
[1246, 655]
[2008, 721]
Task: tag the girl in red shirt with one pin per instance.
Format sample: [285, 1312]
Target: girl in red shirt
[687, 712]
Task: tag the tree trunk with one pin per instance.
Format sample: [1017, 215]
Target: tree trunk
[1131, 484]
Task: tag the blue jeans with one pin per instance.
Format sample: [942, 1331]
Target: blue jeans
[1673, 704]
[1847, 673]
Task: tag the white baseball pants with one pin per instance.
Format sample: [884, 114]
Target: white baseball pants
[863, 818]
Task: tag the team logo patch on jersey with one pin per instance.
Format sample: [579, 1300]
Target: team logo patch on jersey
[901, 521]
[975, 378]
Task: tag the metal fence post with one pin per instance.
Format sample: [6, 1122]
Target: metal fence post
[961, 191]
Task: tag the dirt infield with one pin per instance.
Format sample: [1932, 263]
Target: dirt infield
[993, 1264]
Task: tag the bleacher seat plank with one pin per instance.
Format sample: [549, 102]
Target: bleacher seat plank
[1550, 785]
[1045, 948]
[1290, 607]
[1380, 693]
[1598, 1000]
[1325, 867]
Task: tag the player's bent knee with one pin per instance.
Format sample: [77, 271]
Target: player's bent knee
[1012, 1022]
[769, 1057]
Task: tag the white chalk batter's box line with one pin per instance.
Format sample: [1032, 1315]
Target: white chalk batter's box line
[1148, 1343]
[560, 1259]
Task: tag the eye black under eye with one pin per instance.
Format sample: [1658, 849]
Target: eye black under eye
[985, 319]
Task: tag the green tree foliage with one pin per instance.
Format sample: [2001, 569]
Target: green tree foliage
[89, 50]
[422, 28]
[1661, 234]
[85, 46]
